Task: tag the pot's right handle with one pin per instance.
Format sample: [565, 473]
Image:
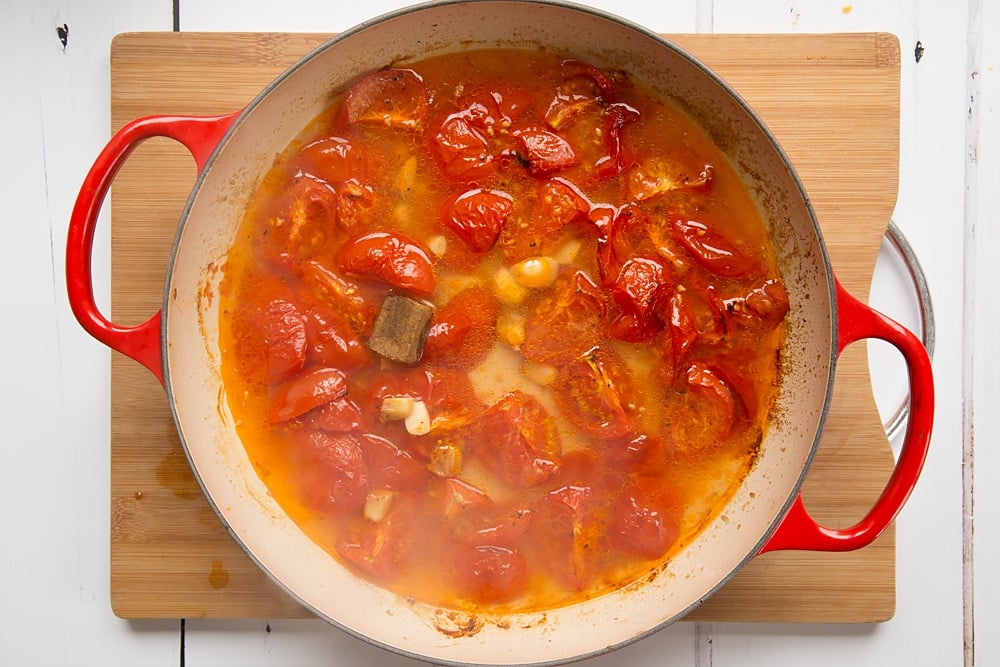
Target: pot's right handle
[798, 530]
[200, 135]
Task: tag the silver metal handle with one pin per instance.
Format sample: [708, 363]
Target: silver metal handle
[919, 280]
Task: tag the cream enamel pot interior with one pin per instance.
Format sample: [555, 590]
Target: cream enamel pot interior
[180, 345]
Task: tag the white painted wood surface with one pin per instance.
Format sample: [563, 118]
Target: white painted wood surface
[54, 399]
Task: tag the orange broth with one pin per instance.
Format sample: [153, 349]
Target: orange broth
[603, 344]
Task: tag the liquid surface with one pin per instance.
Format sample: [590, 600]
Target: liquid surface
[582, 348]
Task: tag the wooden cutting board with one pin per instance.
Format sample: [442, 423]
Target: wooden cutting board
[833, 103]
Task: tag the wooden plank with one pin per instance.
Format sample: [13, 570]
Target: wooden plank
[831, 100]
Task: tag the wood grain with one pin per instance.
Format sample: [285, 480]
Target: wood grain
[831, 100]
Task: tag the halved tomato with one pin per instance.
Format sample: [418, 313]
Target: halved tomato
[544, 151]
[489, 574]
[477, 216]
[391, 97]
[331, 471]
[566, 321]
[643, 523]
[462, 149]
[392, 258]
[390, 467]
[713, 250]
[593, 393]
[517, 440]
[333, 159]
[642, 284]
[306, 392]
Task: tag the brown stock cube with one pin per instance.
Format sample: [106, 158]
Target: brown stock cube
[400, 329]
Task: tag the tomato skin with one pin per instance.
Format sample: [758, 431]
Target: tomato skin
[489, 574]
[333, 159]
[643, 454]
[488, 524]
[462, 149]
[383, 549]
[762, 307]
[642, 524]
[332, 470]
[306, 392]
[495, 107]
[446, 335]
[356, 305]
[701, 377]
[592, 393]
[284, 339]
[641, 285]
[390, 467]
[517, 440]
[617, 157]
[477, 216]
[392, 258]
[605, 87]
[544, 151]
[712, 250]
[332, 341]
[395, 98]
[340, 416]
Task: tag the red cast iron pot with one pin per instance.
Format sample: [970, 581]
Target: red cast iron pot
[180, 342]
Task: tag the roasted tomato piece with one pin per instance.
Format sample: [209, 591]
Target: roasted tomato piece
[488, 523]
[477, 216]
[283, 336]
[463, 330]
[306, 392]
[392, 258]
[332, 340]
[641, 285]
[593, 392]
[654, 178]
[495, 108]
[643, 522]
[518, 441]
[462, 150]
[717, 393]
[390, 467]
[331, 471]
[394, 98]
[300, 224]
[459, 496]
[357, 305]
[544, 151]
[333, 159]
[603, 86]
[489, 574]
[761, 307]
[644, 454]
[384, 549]
[447, 333]
[566, 321]
[623, 234]
[713, 250]
[556, 204]
[616, 156]
[340, 416]
[569, 535]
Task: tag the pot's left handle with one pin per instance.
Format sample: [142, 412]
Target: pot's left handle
[200, 135]
[798, 530]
